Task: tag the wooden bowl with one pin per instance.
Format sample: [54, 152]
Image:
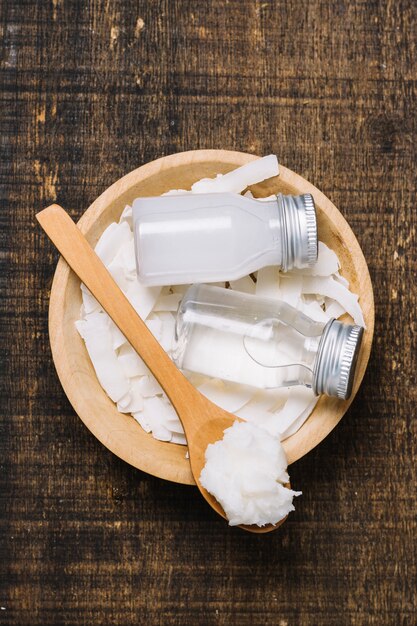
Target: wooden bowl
[121, 433]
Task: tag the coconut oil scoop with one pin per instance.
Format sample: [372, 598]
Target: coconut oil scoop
[204, 422]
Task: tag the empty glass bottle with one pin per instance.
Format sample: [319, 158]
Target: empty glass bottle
[191, 238]
[264, 343]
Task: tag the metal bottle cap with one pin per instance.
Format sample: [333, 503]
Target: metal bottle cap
[336, 359]
[299, 232]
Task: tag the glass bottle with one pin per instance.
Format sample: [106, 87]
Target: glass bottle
[182, 239]
[264, 343]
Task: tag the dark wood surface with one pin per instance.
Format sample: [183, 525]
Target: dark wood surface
[91, 90]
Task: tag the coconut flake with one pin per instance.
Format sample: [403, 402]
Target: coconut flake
[168, 302]
[176, 192]
[143, 420]
[268, 283]
[179, 438]
[155, 326]
[161, 433]
[300, 401]
[228, 396]
[128, 259]
[245, 285]
[124, 402]
[342, 279]
[97, 337]
[330, 288]
[168, 330]
[238, 179]
[334, 309]
[315, 312]
[127, 216]
[135, 402]
[290, 289]
[158, 414]
[112, 239]
[268, 198]
[118, 271]
[327, 263]
[118, 338]
[148, 387]
[264, 400]
[90, 304]
[131, 362]
[142, 298]
[296, 423]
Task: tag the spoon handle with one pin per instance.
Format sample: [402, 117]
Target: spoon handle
[82, 259]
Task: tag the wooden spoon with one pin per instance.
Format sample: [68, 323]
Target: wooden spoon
[203, 421]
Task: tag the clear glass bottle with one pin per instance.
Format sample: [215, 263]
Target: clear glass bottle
[183, 239]
[263, 343]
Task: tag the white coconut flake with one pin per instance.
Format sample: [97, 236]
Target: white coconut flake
[299, 400]
[246, 473]
[268, 283]
[330, 288]
[118, 271]
[131, 363]
[142, 298]
[245, 285]
[128, 259]
[168, 330]
[90, 304]
[176, 192]
[142, 419]
[168, 302]
[267, 198]
[228, 396]
[264, 400]
[290, 289]
[237, 180]
[109, 372]
[334, 309]
[118, 338]
[315, 312]
[179, 438]
[155, 326]
[162, 433]
[95, 321]
[158, 413]
[342, 279]
[148, 387]
[295, 424]
[135, 402]
[127, 215]
[112, 240]
[327, 263]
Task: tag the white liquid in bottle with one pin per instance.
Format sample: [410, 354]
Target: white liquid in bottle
[219, 237]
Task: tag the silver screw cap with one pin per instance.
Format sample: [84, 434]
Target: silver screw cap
[335, 365]
[299, 231]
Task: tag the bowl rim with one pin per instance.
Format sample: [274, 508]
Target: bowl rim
[331, 410]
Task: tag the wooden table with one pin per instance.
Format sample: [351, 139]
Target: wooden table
[90, 91]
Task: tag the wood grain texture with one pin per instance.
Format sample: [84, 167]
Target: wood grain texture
[91, 90]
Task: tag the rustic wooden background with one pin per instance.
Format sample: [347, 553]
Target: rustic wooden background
[91, 90]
